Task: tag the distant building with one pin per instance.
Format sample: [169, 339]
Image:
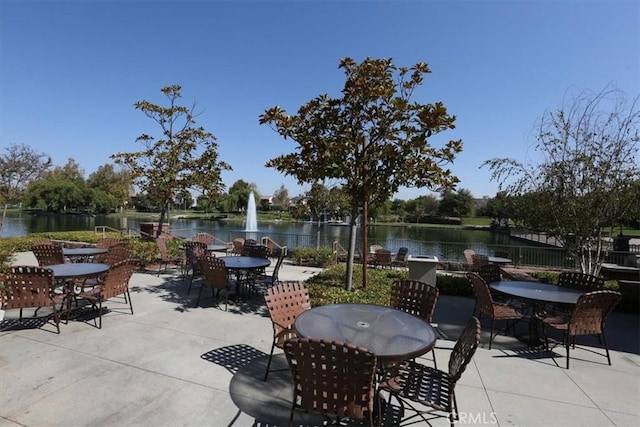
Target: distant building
[481, 204]
[266, 202]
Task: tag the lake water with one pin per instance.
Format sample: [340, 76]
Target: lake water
[443, 242]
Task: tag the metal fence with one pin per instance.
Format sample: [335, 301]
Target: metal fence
[445, 251]
[521, 255]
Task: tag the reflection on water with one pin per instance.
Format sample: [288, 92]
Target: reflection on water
[420, 240]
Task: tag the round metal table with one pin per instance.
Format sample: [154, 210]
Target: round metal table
[241, 264]
[538, 294]
[392, 335]
[74, 270]
[82, 254]
[217, 248]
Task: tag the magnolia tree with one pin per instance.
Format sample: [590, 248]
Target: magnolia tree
[184, 157]
[586, 177]
[373, 139]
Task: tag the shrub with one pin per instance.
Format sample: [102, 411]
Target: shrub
[454, 284]
[327, 287]
[142, 248]
[320, 257]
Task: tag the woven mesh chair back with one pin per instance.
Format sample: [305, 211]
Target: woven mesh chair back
[383, 257]
[115, 254]
[238, 244]
[581, 281]
[484, 301]
[205, 238]
[464, 349]
[332, 377]
[214, 271]
[258, 251]
[490, 273]
[285, 301]
[414, 297]
[161, 243]
[402, 255]
[27, 286]
[591, 311]
[193, 251]
[247, 247]
[116, 282]
[48, 254]
[479, 260]
[374, 248]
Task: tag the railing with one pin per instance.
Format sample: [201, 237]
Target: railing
[521, 255]
[103, 230]
[271, 244]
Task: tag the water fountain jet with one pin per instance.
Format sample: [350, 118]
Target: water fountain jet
[251, 224]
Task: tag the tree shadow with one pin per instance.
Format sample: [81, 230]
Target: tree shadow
[173, 289]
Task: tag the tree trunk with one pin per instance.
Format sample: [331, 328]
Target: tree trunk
[163, 213]
[353, 227]
[4, 217]
[365, 249]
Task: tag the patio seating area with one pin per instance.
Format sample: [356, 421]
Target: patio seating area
[175, 362]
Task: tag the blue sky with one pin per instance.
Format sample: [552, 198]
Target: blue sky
[71, 71]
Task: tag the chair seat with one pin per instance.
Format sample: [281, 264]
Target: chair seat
[93, 294]
[420, 383]
[506, 312]
[558, 321]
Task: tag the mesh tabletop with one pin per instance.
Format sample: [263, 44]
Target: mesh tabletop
[72, 252]
[536, 291]
[389, 333]
[71, 270]
[244, 262]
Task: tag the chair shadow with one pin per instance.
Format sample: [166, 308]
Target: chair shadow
[267, 402]
[174, 288]
[16, 324]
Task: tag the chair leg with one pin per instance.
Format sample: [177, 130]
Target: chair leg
[190, 283]
[568, 346]
[293, 407]
[606, 346]
[491, 333]
[100, 314]
[273, 345]
[127, 294]
[56, 317]
[68, 299]
[199, 293]
[433, 353]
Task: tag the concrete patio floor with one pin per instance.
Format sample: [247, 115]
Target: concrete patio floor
[174, 363]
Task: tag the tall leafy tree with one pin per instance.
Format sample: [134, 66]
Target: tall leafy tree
[281, 198]
[20, 165]
[55, 194]
[373, 139]
[184, 156]
[422, 206]
[240, 190]
[456, 203]
[114, 182]
[585, 177]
